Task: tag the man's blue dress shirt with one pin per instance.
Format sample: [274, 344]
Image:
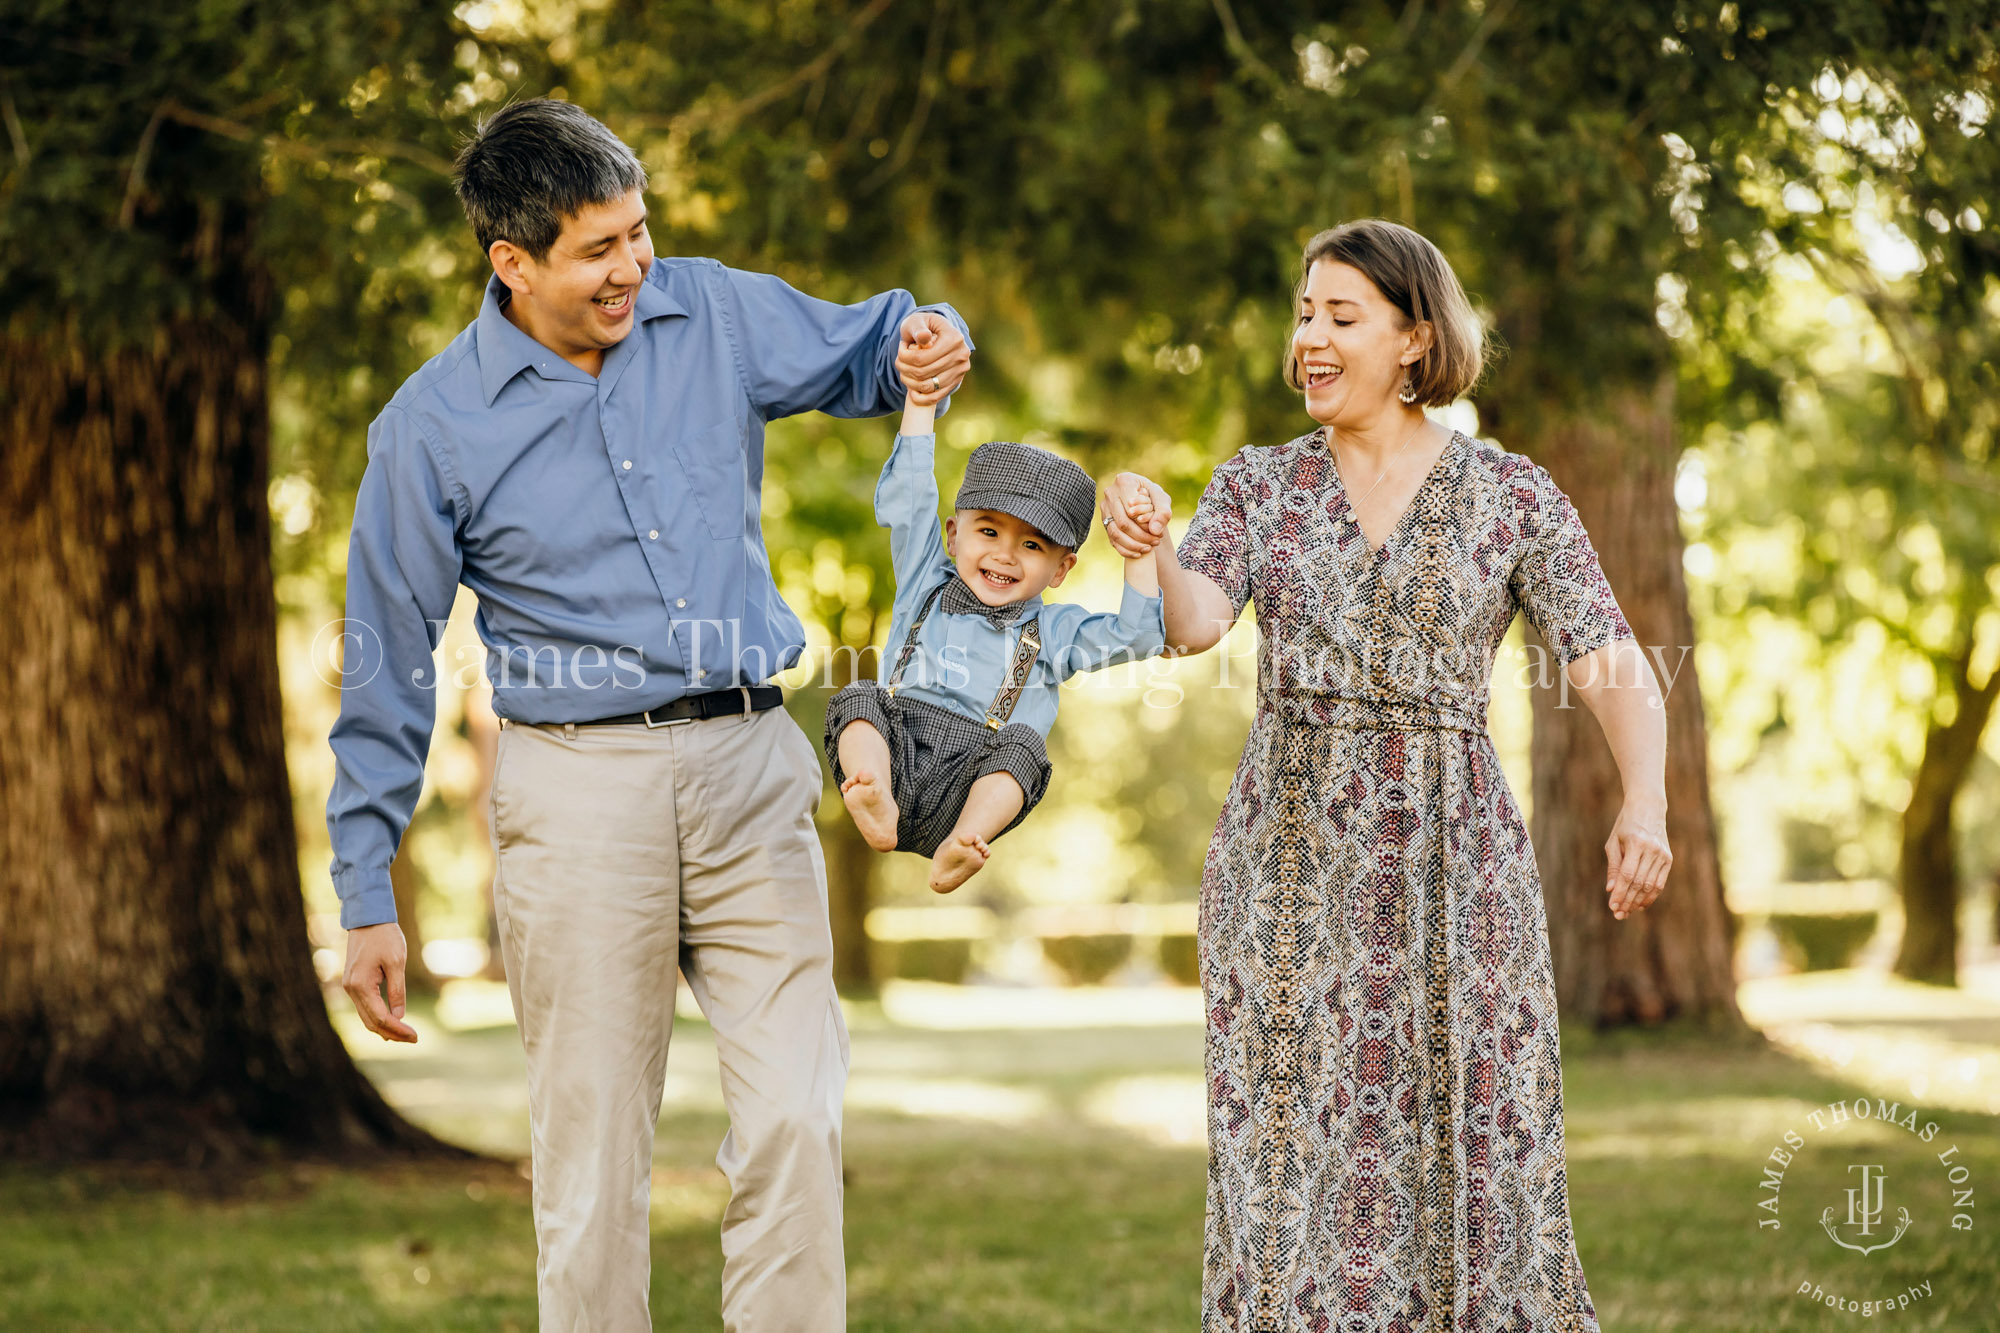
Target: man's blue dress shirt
[609, 524]
[961, 661]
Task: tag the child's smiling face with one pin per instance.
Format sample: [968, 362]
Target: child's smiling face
[1001, 558]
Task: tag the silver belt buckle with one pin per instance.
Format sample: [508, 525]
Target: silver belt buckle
[669, 722]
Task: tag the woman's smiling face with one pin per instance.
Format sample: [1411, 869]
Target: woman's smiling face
[1352, 345]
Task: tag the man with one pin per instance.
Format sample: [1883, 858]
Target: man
[586, 457]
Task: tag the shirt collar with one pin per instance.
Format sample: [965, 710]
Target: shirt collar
[505, 351]
[959, 599]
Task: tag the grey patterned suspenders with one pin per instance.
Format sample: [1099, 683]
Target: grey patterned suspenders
[1026, 649]
[910, 640]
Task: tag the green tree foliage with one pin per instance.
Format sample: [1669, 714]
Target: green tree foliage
[1878, 178]
[334, 122]
[1114, 193]
[157, 216]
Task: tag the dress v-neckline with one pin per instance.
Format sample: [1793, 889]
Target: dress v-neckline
[1332, 465]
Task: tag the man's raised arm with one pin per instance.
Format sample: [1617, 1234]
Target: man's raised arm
[802, 354]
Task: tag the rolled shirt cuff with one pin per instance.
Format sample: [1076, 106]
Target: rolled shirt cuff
[1142, 620]
[366, 898]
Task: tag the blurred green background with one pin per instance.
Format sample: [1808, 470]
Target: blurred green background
[1751, 244]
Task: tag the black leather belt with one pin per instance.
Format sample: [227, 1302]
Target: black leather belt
[695, 707]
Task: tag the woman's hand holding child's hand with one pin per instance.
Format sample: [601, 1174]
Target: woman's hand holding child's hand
[1135, 514]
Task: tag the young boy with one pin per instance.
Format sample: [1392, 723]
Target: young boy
[949, 752]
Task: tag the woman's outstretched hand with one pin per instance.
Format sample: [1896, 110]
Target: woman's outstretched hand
[1135, 514]
[1638, 857]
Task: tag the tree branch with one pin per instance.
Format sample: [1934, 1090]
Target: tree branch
[15, 133]
[1893, 317]
[1239, 46]
[135, 177]
[927, 85]
[1495, 15]
[696, 118]
[231, 129]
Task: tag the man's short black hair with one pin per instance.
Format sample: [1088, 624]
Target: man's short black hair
[532, 164]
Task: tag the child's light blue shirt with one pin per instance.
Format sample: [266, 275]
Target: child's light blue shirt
[961, 660]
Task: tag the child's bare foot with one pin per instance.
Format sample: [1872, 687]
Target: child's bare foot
[957, 861]
[873, 810]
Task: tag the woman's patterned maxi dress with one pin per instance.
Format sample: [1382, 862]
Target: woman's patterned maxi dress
[1385, 1116]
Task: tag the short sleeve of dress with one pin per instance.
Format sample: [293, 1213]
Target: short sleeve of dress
[1217, 542]
[1558, 580]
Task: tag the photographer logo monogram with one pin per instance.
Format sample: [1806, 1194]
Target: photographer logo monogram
[1874, 1209]
[1864, 1213]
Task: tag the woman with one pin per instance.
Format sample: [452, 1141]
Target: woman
[1385, 1090]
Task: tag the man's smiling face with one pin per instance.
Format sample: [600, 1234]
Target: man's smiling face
[579, 298]
[1003, 559]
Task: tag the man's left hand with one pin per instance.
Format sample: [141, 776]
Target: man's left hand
[932, 350]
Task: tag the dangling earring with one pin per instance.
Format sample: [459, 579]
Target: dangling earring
[1409, 391]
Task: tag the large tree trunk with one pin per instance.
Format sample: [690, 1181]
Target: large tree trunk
[850, 861]
[850, 870]
[1927, 873]
[1675, 959]
[156, 992]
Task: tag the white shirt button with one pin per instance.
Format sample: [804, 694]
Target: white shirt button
[680, 601]
[699, 674]
[653, 536]
[627, 465]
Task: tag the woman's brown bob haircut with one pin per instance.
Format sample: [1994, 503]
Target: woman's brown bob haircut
[1413, 275]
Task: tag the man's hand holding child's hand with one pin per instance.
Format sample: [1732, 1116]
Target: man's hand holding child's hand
[933, 358]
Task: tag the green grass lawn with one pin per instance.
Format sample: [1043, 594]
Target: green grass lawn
[1037, 1178]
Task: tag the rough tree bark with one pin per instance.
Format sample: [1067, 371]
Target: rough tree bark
[1927, 877]
[157, 996]
[850, 861]
[1675, 959]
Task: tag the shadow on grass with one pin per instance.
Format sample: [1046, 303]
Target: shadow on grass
[1669, 1136]
[1054, 1223]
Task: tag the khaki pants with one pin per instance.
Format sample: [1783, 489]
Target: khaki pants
[622, 853]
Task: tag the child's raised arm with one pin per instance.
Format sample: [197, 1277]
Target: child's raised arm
[1162, 573]
[906, 496]
[919, 399]
[1143, 572]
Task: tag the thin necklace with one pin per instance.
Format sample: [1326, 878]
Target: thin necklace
[1355, 505]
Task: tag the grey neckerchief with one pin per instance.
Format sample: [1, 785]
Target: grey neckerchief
[959, 599]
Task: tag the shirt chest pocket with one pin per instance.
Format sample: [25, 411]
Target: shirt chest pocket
[712, 460]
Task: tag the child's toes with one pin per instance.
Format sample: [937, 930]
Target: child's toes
[957, 861]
